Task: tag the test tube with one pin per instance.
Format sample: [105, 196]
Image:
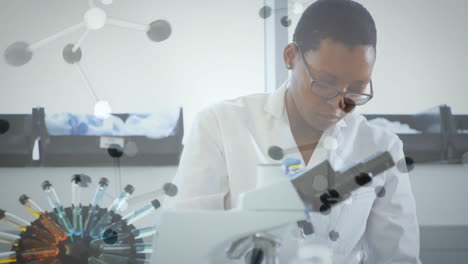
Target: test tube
[13, 220]
[37, 253]
[76, 198]
[143, 232]
[25, 244]
[25, 256]
[8, 257]
[117, 249]
[125, 249]
[136, 215]
[115, 207]
[121, 237]
[142, 212]
[143, 248]
[43, 218]
[9, 239]
[16, 241]
[94, 208]
[54, 202]
[33, 231]
[114, 259]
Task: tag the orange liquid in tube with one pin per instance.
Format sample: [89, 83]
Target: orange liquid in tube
[53, 228]
[40, 234]
[43, 218]
[38, 253]
[26, 244]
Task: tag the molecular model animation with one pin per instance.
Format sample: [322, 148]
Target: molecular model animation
[19, 53]
[294, 8]
[81, 234]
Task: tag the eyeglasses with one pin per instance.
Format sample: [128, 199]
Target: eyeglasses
[328, 92]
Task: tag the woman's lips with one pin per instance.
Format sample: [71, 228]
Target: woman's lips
[329, 118]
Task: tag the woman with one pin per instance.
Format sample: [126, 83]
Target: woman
[331, 61]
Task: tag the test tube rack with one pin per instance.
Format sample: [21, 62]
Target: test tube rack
[78, 249]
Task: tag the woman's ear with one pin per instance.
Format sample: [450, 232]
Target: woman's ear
[289, 55]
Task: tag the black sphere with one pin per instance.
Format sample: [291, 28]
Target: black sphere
[275, 153]
[325, 209]
[110, 236]
[285, 21]
[363, 179]
[115, 151]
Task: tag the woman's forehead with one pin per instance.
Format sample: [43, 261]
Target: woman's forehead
[334, 58]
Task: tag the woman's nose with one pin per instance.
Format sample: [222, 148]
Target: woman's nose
[337, 102]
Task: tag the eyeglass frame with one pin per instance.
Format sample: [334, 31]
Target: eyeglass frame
[338, 92]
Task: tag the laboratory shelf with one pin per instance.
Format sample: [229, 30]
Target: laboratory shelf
[432, 143]
[25, 141]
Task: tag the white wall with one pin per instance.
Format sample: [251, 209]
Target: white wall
[214, 53]
[421, 55]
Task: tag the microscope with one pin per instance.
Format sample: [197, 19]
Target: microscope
[242, 234]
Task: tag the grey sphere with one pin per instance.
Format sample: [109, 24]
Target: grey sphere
[18, 54]
[170, 189]
[69, 56]
[265, 12]
[159, 30]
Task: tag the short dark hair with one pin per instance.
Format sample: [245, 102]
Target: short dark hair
[344, 21]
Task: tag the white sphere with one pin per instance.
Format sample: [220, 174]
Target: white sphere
[102, 109]
[106, 2]
[95, 18]
[330, 143]
[298, 8]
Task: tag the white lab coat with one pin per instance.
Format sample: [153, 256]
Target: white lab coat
[219, 162]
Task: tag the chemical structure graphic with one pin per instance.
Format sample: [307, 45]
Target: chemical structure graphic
[294, 8]
[95, 18]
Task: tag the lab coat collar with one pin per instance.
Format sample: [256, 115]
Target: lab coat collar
[275, 104]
